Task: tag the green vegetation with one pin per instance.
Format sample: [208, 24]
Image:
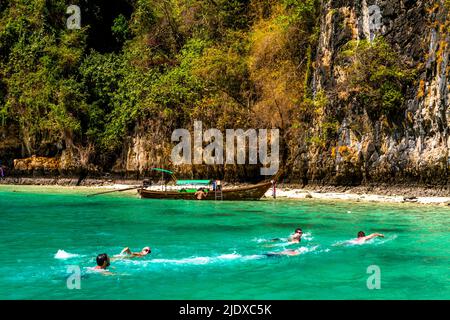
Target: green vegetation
[376, 76]
[156, 65]
[132, 62]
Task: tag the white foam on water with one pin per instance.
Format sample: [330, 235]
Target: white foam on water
[259, 240]
[379, 241]
[278, 245]
[109, 271]
[199, 260]
[262, 240]
[231, 256]
[307, 236]
[326, 250]
[61, 254]
[307, 249]
[301, 250]
[375, 241]
[350, 243]
[210, 260]
[253, 257]
[194, 260]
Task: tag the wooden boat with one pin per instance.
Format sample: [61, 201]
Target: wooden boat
[254, 192]
[187, 192]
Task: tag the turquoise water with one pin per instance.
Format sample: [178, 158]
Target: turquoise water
[213, 250]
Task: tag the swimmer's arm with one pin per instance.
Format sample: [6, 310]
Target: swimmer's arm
[135, 254]
[374, 235]
[126, 250]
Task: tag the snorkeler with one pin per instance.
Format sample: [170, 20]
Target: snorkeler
[103, 262]
[126, 253]
[363, 238]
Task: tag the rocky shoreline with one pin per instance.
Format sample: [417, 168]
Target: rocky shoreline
[57, 181]
[391, 194]
[365, 193]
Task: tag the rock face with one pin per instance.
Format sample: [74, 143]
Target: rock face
[413, 149]
[366, 150]
[416, 151]
[34, 163]
[145, 149]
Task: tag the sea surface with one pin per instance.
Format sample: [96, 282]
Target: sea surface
[49, 238]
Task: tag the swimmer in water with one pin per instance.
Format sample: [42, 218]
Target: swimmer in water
[297, 236]
[103, 262]
[200, 194]
[126, 253]
[288, 252]
[363, 238]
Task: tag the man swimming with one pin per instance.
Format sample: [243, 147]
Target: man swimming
[126, 253]
[288, 252]
[297, 236]
[363, 238]
[103, 262]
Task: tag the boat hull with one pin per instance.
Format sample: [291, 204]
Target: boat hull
[255, 192]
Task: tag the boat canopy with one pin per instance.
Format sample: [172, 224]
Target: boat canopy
[162, 170]
[188, 182]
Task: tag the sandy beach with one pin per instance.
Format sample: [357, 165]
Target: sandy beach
[381, 194]
[363, 197]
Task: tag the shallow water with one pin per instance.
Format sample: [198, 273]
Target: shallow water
[215, 250]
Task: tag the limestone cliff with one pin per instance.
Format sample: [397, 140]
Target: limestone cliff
[380, 89]
[413, 149]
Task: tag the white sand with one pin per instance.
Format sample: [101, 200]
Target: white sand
[305, 194]
[282, 193]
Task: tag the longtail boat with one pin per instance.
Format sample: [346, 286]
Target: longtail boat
[254, 192]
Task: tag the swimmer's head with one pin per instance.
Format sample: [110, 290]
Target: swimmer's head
[298, 231]
[103, 260]
[146, 250]
[361, 234]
